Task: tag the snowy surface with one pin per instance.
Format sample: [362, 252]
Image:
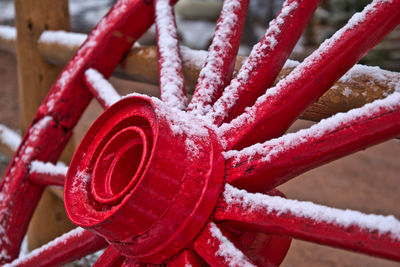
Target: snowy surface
[104, 89]
[8, 32]
[271, 149]
[70, 39]
[170, 63]
[344, 218]
[49, 168]
[374, 74]
[9, 137]
[232, 256]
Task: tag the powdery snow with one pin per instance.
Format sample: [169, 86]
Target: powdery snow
[54, 243]
[227, 250]
[258, 54]
[49, 168]
[374, 74]
[8, 33]
[297, 74]
[104, 89]
[343, 218]
[9, 138]
[170, 64]
[193, 58]
[70, 39]
[211, 77]
[270, 149]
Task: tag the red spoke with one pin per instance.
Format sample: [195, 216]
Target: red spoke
[46, 174]
[172, 86]
[275, 111]
[265, 166]
[265, 61]
[64, 249]
[371, 234]
[217, 250]
[110, 258]
[100, 88]
[185, 258]
[218, 69]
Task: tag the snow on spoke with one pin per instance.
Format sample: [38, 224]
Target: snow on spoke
[46, 173]
[217, 71]
[101, 89]
[265, 61]
[172, 86]
[266, 165]
[367, 233]
[276, 110]
[217, 250]
[64, 249]
[9, 138]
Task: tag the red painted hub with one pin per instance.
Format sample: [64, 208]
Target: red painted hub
[146, 182]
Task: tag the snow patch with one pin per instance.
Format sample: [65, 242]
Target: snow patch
[49, 168]
[70, 39]
[7, 32]
[9, 138]
[104, 89]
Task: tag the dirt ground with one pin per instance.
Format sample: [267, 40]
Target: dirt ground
[367, 181]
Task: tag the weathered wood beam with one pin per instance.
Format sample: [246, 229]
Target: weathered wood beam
[361, 85]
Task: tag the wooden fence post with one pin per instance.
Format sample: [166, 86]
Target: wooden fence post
[35, 78]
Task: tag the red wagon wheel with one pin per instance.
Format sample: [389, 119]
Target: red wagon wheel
[163, 182]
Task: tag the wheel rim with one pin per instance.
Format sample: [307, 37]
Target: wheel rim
[224, 115]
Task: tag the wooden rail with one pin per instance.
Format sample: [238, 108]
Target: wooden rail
[361, 85]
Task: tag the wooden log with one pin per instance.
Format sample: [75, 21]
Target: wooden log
[367, 84]
[35, 77]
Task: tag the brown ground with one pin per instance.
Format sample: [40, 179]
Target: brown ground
[367, 181]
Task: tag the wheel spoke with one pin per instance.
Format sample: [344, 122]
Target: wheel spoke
[265, 61]
[15, 188]
[185, 258]
[217, 250]
[47, 174]
[110, 257]
[66, 248]
[172, 86]
[100, 88]
[275, 111]
[371, 234]
[218, 69]
[265, 166]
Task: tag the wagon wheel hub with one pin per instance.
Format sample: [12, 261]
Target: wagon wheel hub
[150, 178]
